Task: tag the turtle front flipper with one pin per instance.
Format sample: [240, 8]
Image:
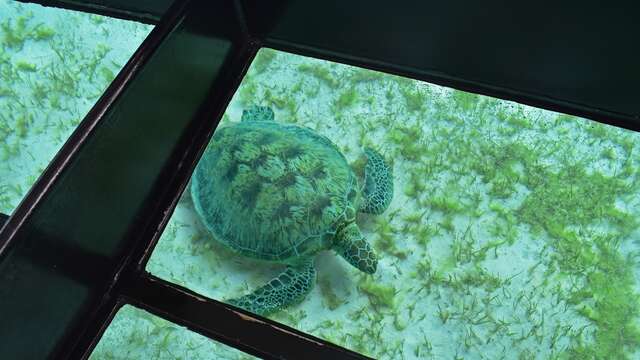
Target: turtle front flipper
[378, 184]
[352, 246]
[288, 288]
[257, 113]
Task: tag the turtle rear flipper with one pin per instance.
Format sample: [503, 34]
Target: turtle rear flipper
[378, 184]
[257, 113]
[288, 288]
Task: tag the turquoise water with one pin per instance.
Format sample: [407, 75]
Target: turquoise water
[512, 233]
[54, 64]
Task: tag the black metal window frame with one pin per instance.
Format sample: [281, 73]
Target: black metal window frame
[94, 216]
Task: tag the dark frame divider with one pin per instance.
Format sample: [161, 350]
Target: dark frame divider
[254, 335]
[145, 11]
[46, 278]
[568, 56]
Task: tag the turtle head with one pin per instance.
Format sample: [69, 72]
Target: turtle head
[353, 247]
[257, 113]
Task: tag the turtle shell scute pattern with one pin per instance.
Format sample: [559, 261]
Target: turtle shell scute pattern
[273, 191]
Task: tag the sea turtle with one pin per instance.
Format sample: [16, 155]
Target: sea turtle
[282, 193]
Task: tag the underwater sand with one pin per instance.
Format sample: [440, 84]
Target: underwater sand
[513, 232]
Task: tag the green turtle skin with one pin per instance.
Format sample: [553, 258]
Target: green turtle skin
[378, 187]
[282, 193]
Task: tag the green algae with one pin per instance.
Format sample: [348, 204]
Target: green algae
[386, 241]
[346, 99]
[42, 32]
[573, 197]
[22, 65]
[364, 75]
[466, 101]
[415, 99]
[608, 299]
[320, 72]
[16, 33]
[380, 295]
[263, 59]
[560, 201]
[331, 300]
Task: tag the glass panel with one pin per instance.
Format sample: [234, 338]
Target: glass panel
[54, 64]
[137, 334]
[512, 233]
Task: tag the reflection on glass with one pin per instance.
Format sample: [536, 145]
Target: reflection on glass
[511, 231]
[137, 334]
[54, 64]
